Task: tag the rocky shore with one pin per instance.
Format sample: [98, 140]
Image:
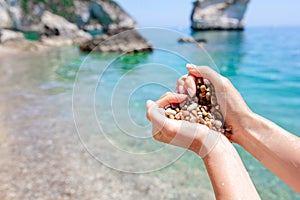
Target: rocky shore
[128, 41]
[60, 23]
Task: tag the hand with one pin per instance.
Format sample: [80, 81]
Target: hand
[192, 136]
[233, 107]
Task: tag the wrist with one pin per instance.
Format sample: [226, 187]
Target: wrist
[247, 128]
[207, 142]
[220, 148]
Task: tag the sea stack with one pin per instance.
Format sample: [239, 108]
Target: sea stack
[219, 14]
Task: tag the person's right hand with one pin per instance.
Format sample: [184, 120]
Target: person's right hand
[233, 107]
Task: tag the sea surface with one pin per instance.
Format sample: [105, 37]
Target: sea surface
[104, 95]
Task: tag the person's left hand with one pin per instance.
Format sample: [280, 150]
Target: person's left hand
[192, 136]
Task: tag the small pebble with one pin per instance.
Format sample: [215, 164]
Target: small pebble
[170, 111]
[209, 115]
[186, 113]
[213, 100]
[182, 104]
[203, 88]
[194, 112]
[192, 106]
[199, 81]
[202, 121]
[218, 123]
[218, 115]
[206, 82]
[193, 120]
[207, 96]
[228, 129]
[203, 110]
[208, 124]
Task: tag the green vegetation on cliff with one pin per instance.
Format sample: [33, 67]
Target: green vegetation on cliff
[63, 8]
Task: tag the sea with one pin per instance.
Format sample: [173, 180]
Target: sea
[107, 92]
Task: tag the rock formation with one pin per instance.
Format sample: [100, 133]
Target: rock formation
[219, 14]
[5, 21]
[65, 22]
[111, 16]
[10, 14]
[57, 31]
[86, 14]
[127, 41]
[8, 35]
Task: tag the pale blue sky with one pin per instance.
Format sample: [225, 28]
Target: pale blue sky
[167, 13]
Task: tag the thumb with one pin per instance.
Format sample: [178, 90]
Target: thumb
[149, 104]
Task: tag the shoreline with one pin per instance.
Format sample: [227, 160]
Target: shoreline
[6, 51]
[17, 47]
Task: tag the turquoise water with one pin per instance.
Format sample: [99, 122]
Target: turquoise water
[263, 63]
[111, 91]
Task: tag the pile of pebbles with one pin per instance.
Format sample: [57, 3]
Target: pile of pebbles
[202, 108]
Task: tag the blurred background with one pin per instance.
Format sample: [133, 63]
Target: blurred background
[75, 76]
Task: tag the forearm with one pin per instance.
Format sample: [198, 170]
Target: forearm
[274, 147]
[228, 175]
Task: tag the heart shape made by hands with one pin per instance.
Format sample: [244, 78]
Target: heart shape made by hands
[202, 108]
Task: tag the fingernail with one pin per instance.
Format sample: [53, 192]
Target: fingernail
[190, 91]
[149, 103]
[180, 88]
[191, 66]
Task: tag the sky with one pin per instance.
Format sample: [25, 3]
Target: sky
[166, 13]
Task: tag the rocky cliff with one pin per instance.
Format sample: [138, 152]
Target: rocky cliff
[219, 14]
[10, 14]
[68, 21]
[87, 14]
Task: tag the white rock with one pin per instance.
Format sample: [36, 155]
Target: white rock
[193, 120]
[221, 14]
[6, 35]
[182, 104]
[5, 21]
[186, 113]
[192, 107]
[218, 123]
[170, 111]
[58, 28]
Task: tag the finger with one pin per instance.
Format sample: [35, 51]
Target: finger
[165, 94]
[180, 85]
[149, 103]
[219, 82]
[171, 98]
[206, 72]
[190, 85]
[166, 99]
[157, 117]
